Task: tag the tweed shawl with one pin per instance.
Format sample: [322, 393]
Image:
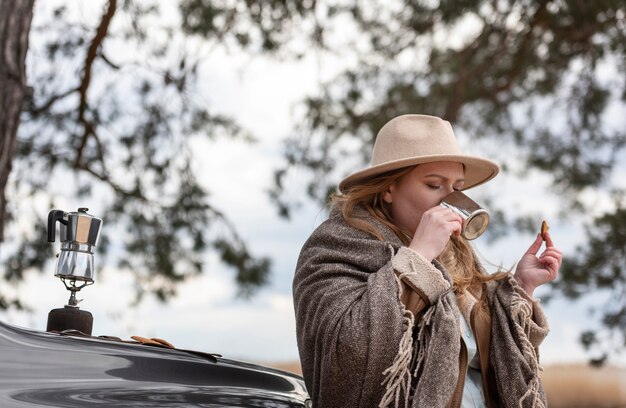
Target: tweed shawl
[360, 347]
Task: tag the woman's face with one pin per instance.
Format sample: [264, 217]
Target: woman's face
[421, 189]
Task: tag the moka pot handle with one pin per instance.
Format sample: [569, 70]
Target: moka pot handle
[53, 217]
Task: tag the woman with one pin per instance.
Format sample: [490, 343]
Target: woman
[392, 307]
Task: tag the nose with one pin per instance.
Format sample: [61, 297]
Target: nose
[448, 188]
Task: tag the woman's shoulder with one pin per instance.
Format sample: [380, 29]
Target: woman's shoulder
[334, 241]
[335, 233]
[336, 228]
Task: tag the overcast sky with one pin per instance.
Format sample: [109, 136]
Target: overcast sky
[206, 315]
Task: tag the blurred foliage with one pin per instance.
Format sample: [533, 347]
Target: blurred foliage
[262, 26]
[114, 105]
[523, 62]
[599, 267]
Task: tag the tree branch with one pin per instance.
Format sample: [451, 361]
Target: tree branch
[108, 61]
[107, 180]
[92, 53]
[48, 104]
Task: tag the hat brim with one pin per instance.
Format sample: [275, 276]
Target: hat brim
[477, 170]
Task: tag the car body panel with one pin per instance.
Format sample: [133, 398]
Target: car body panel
[53, 370]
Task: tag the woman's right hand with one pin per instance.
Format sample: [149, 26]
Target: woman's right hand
[434, 230]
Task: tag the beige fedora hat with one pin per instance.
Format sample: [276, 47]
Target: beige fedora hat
[409, 140]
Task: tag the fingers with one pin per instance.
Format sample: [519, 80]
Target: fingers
[552, 260]
[446, 218]
[434, 230]
[534, 247]
[549, 242]
[538, 270]
[553, 254]
[552, 265]
[448, 213]
[552, 251]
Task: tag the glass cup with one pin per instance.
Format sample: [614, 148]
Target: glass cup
[475, 218]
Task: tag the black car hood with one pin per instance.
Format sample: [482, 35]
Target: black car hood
[52, 370]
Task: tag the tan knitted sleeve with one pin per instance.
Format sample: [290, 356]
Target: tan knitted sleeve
[421, 283]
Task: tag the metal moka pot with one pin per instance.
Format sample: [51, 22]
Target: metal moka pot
[475, 218]
[78, 233]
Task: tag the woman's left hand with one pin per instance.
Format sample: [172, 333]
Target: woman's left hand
[533, 271]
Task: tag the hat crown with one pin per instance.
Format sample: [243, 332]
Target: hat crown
[410, 140]
[414, 136]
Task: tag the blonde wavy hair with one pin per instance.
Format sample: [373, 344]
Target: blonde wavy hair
[458, 257]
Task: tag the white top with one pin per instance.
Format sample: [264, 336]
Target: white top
[473, 396]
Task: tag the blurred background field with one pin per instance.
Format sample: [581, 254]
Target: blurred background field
[582, 386]
[567, 385]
